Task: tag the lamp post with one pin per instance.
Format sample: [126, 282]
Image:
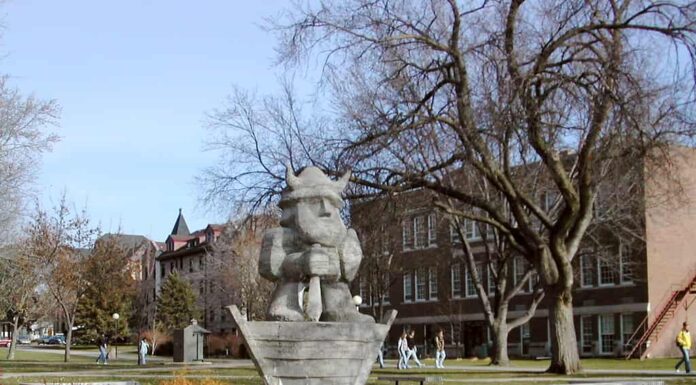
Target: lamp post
[115, 316]
[357, 300]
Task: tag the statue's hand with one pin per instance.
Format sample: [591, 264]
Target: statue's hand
[318, 263]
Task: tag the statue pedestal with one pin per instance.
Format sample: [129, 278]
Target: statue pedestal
[313, 353]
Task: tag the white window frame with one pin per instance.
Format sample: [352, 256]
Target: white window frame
[421, 280]
[432, 284]
[407, 288]
[585, 263]
[422, 221]
[600, 333]
[407, 228]
[491, 282]
[386, 295]
[586, 320]
[456, 269]
[600, 282]
[516, 261]
[469, 278]
[471, 230]
[432, 229]
[454, 235]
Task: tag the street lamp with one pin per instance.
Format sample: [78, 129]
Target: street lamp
[115, 316]
[357, 300]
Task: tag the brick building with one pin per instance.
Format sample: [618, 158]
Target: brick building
[625, 296]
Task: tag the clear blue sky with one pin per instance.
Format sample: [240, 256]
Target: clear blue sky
[134, 79]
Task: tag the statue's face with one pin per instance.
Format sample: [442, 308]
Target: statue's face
[317, 221]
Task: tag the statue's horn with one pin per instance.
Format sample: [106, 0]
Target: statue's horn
[343, 181]
[290, 177]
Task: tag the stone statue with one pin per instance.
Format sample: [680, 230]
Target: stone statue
[312, 252]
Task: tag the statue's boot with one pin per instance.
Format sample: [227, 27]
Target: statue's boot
[338, 304]
[285, 304]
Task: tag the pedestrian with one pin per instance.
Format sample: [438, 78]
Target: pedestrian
[402, 348]
[684, 344]
[103, 357]
[440, 349]
[380, 356]
[142, 351]
[412, 350]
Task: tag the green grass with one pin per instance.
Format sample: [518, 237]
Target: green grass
[30, 362]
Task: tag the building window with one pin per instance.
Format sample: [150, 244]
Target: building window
[163, 271]
[626, 264]
[456, 280]
[408, 288]
[201, 288]
[471, 230]
[491, 279]
[606, 333]
[432, 229]
[587, 271]
[525, 338]
[421, 281]
[421, 231]
[432, 278]
[454, 234]
[520, 267]
[386, 285]
[586, 334]
[626, 329]
[470, 286]
[172, 266]
[548, 200]
[407, 233]
[201, 263]
[607, 271]
[190, 265]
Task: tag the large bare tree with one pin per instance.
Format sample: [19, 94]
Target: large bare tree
[22, 141]
[500, 88]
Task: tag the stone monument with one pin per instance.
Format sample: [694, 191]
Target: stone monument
[314, 333]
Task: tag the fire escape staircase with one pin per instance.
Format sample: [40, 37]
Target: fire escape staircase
[640, 343]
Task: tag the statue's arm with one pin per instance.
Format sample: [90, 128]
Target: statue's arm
[351, 255]
[272, 254]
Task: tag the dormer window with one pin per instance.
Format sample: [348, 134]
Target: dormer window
[209, 237]
[170, 245]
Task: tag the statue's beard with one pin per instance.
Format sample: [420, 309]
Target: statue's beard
[324, 231]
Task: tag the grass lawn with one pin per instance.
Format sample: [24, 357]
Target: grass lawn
[158, 374]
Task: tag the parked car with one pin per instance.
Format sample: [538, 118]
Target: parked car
[56, 340]
[5, 342]
[44, 340]
[24, 340]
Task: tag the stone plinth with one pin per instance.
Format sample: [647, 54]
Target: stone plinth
[313, 353]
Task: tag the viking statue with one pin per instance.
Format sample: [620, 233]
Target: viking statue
[312, 254]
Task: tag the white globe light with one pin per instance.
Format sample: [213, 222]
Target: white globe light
[357, 300]
[116, 316]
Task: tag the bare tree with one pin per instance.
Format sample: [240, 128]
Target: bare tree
[234, 261]
[499, 88]
[22, 141]
[59, 242]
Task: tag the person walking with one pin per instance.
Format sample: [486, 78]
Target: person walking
[142, 351]
[412, 350]
[380, 356]
[684, 344]
[103, 357]
[402, 348]
[440, 349]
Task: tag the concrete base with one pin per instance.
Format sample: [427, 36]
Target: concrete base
[313, 353]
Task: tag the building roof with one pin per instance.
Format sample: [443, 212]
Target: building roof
[180, 227]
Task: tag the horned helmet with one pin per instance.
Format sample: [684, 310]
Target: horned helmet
[311, 182]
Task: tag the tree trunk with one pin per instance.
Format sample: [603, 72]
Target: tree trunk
[564, 348]
[68, 341]
[499, 354]
[13, 344]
